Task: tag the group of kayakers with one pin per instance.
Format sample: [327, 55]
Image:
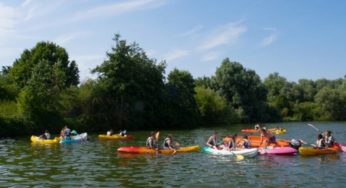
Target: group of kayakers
[121, 133]
[325, 140]
[65, 133]
[229, 142]
[266, 138]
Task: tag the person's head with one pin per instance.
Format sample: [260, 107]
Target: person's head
[214, 133]
[245, 137]
[329, 133]
[169, 136]
[234, 136]
[263, 130]
[319, 136]
[46, 131]
[152, 133]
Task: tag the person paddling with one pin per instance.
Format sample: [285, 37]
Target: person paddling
[151, 141]
[212, 141]
[110, 132]
[266, 137]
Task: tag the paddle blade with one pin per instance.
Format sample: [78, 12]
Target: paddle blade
[239, 157]
[157, 135]
[311, 125]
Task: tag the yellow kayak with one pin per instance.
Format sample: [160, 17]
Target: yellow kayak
[115, 137]
[38, 140]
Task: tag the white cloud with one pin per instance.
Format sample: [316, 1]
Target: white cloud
[225, 34]
[210, 56]
[176, 54]
[118, 8]
[192, 31]
[271, 38]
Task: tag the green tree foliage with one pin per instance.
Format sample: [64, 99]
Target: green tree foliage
[243, 89]
[331, 104]
[130, 85]
[182, 107]
[213, 107]
[21, 71]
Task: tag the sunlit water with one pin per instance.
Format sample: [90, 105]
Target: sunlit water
[97, 164]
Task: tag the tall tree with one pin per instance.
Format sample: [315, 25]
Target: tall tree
[131, 85]
[182, 106]
[243, 89]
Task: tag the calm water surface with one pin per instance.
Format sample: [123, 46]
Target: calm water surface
[97, 164]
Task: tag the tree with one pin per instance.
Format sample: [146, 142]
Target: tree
[49, 53]
[182, 106]
[243, 90]
[213, 107]
[331, 104]
[131, 86]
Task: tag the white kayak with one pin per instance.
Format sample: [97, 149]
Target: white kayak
[252, 152]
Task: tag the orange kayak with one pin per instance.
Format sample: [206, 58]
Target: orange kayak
[255, 141]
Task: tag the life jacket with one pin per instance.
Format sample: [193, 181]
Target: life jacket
[165, 142]
[212, 142]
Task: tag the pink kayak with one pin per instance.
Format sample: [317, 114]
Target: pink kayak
[278, 151]
[342, 147]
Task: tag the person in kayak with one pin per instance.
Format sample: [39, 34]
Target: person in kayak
[328, 139]
[257, 127]
[233, 144]
[168, 142]
[45, 135]
[246, 143]
[151, 141]
[226, 143]
[122, 133]
[110, 132]
[212, 141]
[320, 141]
[67, 132]
[266, 137]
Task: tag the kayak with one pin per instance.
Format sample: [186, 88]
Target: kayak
[38, 140]
[278, 151]
[74, 139]
[244, 152]
[139, 149]
[256, 141]
[342, 147]
[115, 137]
[310, 151]
[272, 130]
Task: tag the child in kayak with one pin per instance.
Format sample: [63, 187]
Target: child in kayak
[168, 142]
[257, 127]
[151, 141]
[266, 137]
[122, 133]
[246, 143]
[45, 135]
[320, 141]
[226, 142]
[328, 139]
[212, 141]
[110, 132]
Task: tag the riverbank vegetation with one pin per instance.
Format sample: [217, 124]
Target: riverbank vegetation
[41, 90]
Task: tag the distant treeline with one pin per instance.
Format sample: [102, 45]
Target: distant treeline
[41, 90]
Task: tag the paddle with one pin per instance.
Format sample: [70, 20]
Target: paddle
[157, 136]
[311, 125]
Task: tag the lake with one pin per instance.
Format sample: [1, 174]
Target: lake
[96, 163]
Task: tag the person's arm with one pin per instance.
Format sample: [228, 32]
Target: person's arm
[209, 139]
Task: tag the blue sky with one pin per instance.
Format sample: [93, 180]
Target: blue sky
[298, 39]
